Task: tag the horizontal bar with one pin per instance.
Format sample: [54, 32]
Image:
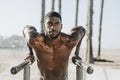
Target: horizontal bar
[84, 66]
[19, 67]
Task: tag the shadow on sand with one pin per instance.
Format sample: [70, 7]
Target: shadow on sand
[103, 60]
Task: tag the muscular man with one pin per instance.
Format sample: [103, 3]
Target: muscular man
[52, 47]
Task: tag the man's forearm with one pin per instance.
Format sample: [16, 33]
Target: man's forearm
[80, 31]
[30, 49]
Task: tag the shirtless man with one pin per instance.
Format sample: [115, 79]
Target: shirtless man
[52, 47]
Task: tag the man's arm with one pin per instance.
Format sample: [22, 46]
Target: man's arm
[78, 34]
[29, 33]
[30, 55]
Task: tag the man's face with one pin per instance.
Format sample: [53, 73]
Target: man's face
[52, 27]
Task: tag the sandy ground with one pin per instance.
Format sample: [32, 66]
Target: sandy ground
[12, 57]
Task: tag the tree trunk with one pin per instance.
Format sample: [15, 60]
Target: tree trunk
[53, 5]
[100, 29]
[89, 51]
[59, 6]
[42, 14]
[76, 16]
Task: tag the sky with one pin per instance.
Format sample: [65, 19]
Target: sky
[15, 14]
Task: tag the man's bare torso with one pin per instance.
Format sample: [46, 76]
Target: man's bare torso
[52, 55]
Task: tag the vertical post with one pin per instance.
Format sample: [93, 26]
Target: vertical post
[59, 6]
[42, 14]
[79, 70]
[76, 16]
[53, 5]
[89, 52]
[26, 75]
[100, 29]
[79, 73]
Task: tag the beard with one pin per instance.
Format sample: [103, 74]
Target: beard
[55, 37]
[53, 34]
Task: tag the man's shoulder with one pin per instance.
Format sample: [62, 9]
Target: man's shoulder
[39, 38]
[64, 34]
[65, 37]
[40, 35]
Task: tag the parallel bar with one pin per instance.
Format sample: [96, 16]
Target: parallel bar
[26, 75]
[19, 67]
[84, 66]
[79, 73]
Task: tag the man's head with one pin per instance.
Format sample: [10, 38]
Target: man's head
[52, 25]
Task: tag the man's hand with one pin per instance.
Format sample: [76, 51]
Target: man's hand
[76, 57]
[31, 58]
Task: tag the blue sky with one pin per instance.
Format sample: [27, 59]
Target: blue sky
[15, 14]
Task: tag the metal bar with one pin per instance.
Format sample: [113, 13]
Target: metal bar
[87, 68]
[79, 73]
[19, 67]
[77, 10]
[100, 29]
[26, 75]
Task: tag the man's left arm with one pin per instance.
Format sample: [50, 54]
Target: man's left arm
[78, 33]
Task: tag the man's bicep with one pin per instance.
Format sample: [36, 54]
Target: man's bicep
[77, 34]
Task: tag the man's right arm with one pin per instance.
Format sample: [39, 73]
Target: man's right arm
[29, 33]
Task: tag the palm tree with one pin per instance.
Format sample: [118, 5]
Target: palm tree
[76, 16]
[89, 51]
[53, 5]
[42, 14]
[59, 6]
[100, 30]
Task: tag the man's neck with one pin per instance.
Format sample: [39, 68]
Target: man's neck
[53, 41]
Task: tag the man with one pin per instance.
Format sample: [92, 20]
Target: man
[52, 47]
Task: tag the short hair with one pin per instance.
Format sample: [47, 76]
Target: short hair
[53, 14]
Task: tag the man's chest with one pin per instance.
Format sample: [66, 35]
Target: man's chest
[59, 50]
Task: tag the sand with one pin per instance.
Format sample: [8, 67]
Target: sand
[12, 57]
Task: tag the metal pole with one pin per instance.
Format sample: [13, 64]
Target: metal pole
[76, 16]
[19, 67]
[42, 14]
[81, 67]
[53, 5]
[26, 73]
[100, 30]
[79, 73]
[59, 6]
[89, 51]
